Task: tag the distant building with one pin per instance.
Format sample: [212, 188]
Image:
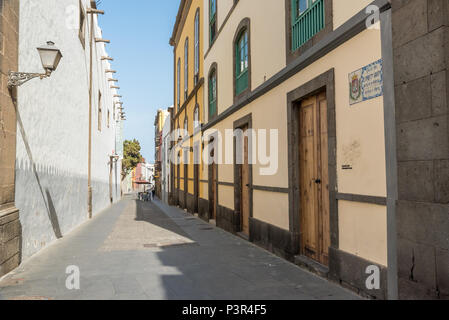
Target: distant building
[159, 121]
[166, 183]
[143, 177]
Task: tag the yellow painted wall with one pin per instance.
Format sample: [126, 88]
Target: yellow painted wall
[343, 10]
[187, 31]
[360, 131]
[363, 230]
[362, 122]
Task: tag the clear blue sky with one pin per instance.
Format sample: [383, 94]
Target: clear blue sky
[139, 31]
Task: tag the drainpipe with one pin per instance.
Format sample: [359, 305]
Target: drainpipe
[92, 10]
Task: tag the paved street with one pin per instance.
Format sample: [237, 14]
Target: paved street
[138, 250]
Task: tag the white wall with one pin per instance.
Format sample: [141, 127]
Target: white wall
[166, 159]
[52, 139]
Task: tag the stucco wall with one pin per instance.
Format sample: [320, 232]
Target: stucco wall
[360, 130]
[52, 139]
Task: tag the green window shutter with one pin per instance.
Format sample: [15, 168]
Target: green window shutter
[241, 63]
[308, 23]
[212, 20]
[212, 95]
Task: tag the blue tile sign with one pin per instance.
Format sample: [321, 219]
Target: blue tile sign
[366, 83]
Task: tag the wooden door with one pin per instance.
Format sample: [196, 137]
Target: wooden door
[214, 190]
[314, 179]
[245, 185]
[196, 187]
[178, 182]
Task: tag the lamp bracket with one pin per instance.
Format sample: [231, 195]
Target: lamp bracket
[16, 79]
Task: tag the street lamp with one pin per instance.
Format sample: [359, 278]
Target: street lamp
[50, 57]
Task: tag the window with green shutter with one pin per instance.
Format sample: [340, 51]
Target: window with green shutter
[212, 20]
[307, 20]
[241, 61]
[213, 94]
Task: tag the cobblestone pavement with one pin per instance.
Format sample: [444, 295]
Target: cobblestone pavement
[137, 250]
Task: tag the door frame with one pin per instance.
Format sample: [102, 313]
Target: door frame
[246, 121]
[323, 83]
[213, 205]
[196, 178]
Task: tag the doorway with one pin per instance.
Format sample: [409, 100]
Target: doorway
[314, 179]
[213, 189]
[244, 184]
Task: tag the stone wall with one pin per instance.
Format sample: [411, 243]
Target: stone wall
[421, 60]
[10, 229]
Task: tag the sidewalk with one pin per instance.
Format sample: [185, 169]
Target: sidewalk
[137, 250]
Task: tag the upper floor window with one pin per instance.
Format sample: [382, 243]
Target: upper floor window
[197, 46]
[186, 126]
[212, 20]
[178, 84]
[241, 54]
[307, 20]
[213, 93]
[196, 117]
[186, 68]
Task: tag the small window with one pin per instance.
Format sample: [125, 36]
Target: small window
[99, 111]
[82, 26]
[213, 93]
[197, 47]
[241, 54]
[196, 117]
[178, 80]
[212, 20]
[186, 69]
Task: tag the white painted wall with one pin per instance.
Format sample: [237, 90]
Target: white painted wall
[52, 139]
[166, 159]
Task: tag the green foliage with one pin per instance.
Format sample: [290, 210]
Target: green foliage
[131, 156]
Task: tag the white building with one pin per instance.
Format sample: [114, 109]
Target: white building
[53, 124]
[165, 161]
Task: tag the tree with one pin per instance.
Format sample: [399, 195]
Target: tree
[131, 156]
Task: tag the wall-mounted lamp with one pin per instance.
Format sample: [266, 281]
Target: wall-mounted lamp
[50, 57]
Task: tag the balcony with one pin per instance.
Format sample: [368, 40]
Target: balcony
[308, 24]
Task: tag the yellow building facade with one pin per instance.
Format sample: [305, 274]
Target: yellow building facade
[286, 69]
[293, 128]
[188, 115]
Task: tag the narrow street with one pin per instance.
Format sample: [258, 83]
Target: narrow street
[137, 250]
